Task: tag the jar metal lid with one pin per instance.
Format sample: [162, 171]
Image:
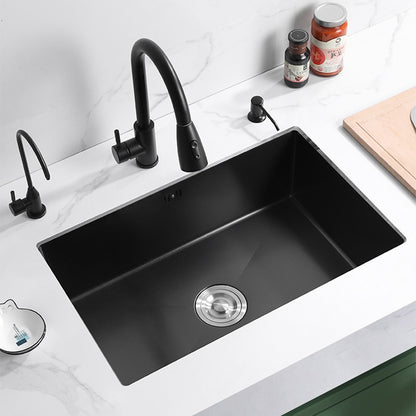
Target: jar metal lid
[330, 14]
[298, 36]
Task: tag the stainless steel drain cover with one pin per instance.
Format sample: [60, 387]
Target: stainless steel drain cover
[220, 305]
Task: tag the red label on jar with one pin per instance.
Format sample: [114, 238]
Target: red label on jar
[327, 57]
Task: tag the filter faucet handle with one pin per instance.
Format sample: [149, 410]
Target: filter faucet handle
[117, 137]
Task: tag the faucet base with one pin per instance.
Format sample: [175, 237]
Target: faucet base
[147, 158]
[141, 165]
[35, 215]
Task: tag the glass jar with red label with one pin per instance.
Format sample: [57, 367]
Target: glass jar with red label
[329, 35]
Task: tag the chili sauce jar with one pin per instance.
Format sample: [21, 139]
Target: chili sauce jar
[296, 70]
[329, 35]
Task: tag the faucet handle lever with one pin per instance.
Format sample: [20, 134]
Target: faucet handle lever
[117, 136]
[123, 151]
[17, 206]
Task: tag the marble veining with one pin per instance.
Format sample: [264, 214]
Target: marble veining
[341, 329]
[92, 184]
[119, 84]
[390, 52]
[206, 38]
[51, 378]
[75, 80]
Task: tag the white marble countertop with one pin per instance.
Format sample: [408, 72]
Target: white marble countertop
[298, 351]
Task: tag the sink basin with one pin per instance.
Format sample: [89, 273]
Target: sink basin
[273, 222]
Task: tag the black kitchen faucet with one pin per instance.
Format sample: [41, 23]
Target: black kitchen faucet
[143, 146]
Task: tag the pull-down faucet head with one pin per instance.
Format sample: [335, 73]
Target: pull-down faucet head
[143, 146]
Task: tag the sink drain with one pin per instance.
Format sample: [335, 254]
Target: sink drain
[220, 305]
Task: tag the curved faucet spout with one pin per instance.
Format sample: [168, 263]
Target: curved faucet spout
[142, 147]
[19, 135]
[32, 204]
[147, 47]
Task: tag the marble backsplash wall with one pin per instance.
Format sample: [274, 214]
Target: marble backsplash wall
[65, 72]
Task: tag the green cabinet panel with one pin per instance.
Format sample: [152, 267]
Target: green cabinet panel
[393, 396]
[386, 390]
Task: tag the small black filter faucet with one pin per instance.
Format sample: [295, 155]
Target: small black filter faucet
[143, 146]
[32, 204]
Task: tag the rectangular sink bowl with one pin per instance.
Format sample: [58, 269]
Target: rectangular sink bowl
[273, 222]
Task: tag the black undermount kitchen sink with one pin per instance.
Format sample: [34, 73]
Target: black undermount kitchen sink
[274, 222]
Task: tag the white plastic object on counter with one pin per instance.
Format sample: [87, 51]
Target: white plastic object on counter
[21, 330]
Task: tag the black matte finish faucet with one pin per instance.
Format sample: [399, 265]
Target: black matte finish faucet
[32, 204]
[143, 146]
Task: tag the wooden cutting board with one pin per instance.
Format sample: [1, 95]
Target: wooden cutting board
[387, 132]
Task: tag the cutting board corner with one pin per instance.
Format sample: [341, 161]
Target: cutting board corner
[386, 131]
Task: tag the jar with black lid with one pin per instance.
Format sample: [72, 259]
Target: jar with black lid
[297, 56]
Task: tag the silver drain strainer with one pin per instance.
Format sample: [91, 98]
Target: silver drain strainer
[220, 305]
